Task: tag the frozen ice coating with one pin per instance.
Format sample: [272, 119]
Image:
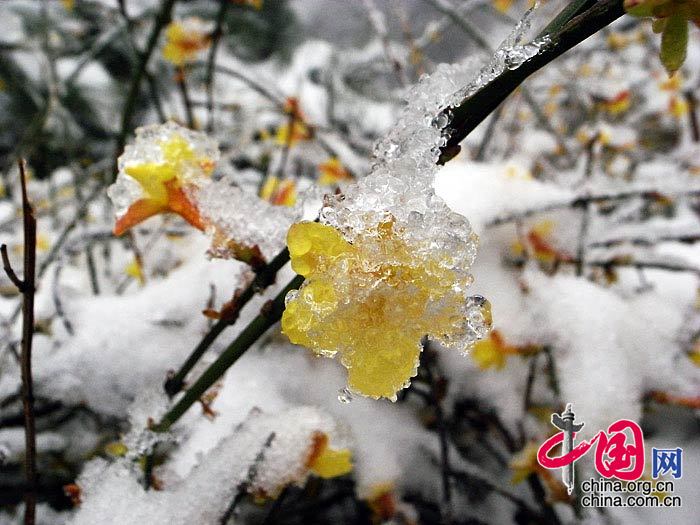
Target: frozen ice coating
[263, 454]
[401, 252]
[233, 214]
[150, 146]
[511, 54]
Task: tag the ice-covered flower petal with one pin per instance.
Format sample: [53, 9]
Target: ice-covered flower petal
[372, 302]
[158, 174]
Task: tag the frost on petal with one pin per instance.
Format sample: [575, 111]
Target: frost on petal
[158, 173]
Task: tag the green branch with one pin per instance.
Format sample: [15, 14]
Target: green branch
[270, 313]
[264, 277]
[570, 31]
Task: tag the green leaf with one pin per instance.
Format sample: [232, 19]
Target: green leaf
[674, 43]
[642, 8]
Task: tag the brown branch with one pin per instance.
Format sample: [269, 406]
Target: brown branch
[9, 271]
[693, 115]
[27, 288]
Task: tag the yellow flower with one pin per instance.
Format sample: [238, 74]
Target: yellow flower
[256, 4]
[134, 269]
[371, 302]
[68, 5]
[619, 104]
[164, 183]
[327, 462]
[279, 193]
[294, 129]
[42, 242]
[694, 356]
[116, 449]
[503, 5]
[491, 352]
[382, 501]
[332, 172]
[184, 40]
[678, 106]
[524, 463]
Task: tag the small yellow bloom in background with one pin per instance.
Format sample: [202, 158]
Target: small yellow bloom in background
[42, 242]
[279, 193]
[372, 302]
[294, 129]
[185, 39]
[327, 462]
[524, 463]
[68, 5]
[255, 4]
[158, 173]
[134, 269]
[619, 104]
[382, 501]
[332, 172]
[617, 41]
[492, 352]
[678, 106]
[116, 449]
[673, 83]
[694, 354]
[539, 245]
[503, 5]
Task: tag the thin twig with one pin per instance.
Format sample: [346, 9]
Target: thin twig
[135, 87]
[378, 22]
[586, 208]
[245, 485]
[693, 115]
[585, 199]
[181, 81]
[211, 61]
[477, 106]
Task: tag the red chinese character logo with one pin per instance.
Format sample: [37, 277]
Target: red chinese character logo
[614, 455]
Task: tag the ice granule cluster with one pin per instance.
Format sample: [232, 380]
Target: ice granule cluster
[233, 214]
[511, 54]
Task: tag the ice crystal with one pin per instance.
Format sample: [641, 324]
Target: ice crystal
[511, 54]
[237, 219]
